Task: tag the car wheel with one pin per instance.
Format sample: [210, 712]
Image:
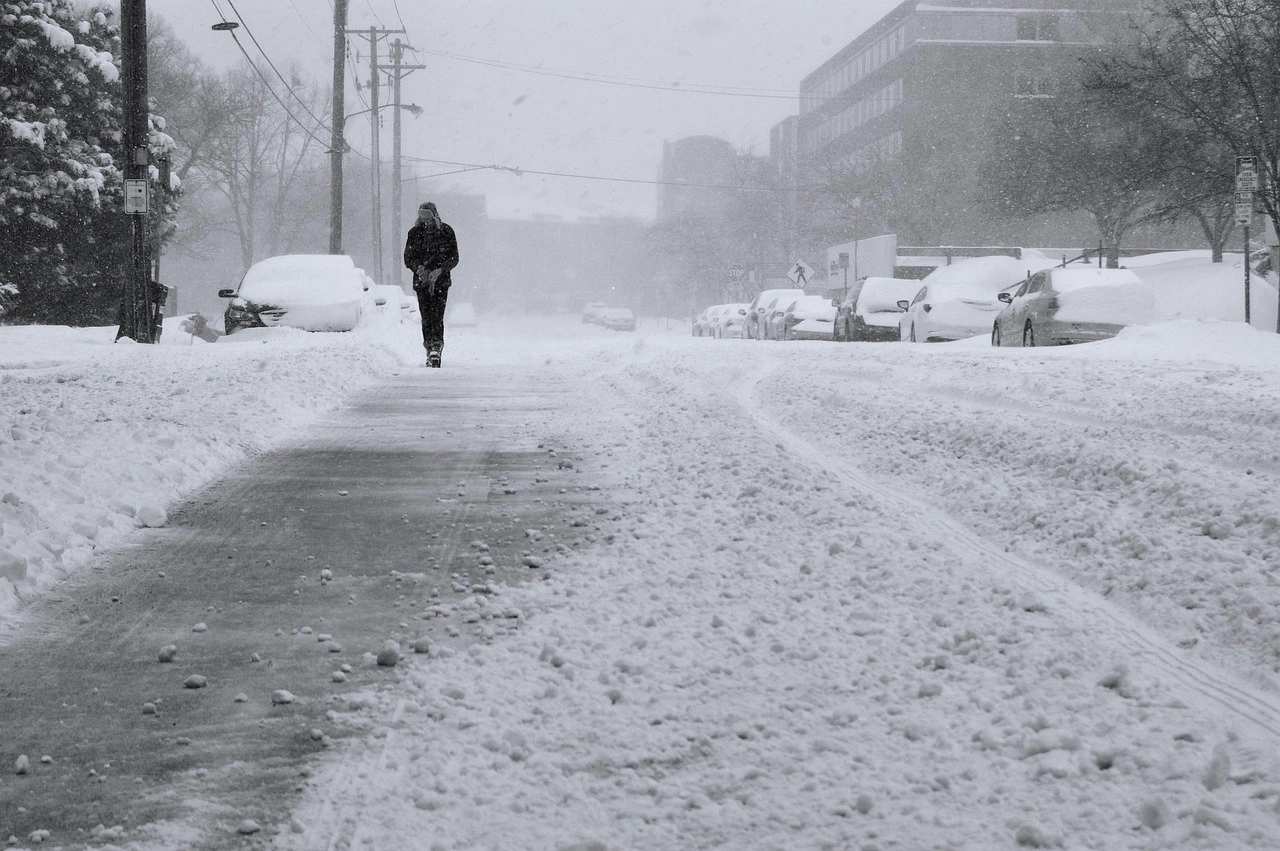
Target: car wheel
[995, 334]
[1028, 336]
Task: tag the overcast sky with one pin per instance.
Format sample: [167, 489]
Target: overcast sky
[489, 114]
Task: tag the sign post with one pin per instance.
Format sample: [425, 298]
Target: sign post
[1246, 184]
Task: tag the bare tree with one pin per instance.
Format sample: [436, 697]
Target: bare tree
[268, 169]
[1214, 66]
[1081, 151]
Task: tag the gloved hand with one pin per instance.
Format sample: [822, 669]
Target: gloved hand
[421, 272]
[433, 275]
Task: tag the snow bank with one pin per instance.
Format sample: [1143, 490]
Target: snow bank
[97, 439]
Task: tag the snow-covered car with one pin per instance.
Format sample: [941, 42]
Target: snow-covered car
[871, 313]
[314, 292]
[1058, 307]
[809, 317]
[618, 319]
[393, 304]
[756, 318]
[771, 318]
[729, 322]
[591, 313]
[705, 320]
[461, 314]
[961, 300]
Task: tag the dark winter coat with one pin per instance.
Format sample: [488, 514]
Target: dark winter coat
[434, 248]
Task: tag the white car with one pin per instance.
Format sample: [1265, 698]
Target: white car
[618, 319]
[314, 292]
[729, 322]
[961, 300]
[810, 317]
[703, 324]
[757, 317]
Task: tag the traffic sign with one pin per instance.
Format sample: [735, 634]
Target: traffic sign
[1247, 181]
[800, 273]
[1244, 213]
[736, 272]
[1244, 197]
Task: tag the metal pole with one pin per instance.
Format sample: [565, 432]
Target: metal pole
[377, 156]
[135, 314]
[1246, 275]
[336, 141]
[396, 235]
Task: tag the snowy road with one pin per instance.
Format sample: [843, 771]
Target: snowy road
[855, 596]
[873, 597]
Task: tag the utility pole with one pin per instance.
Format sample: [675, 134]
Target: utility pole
[374, 35]
[398, 72]
[337, 144]
[374, 120]
[136, 314]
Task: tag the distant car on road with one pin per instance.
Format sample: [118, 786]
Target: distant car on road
[618, 319]
[314, 292]
[461, 314]
[591, 313]
[1058, 307]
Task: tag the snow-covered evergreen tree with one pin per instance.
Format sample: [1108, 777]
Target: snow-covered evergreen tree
[65, 242]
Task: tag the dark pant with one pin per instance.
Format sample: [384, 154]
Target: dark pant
[431, 306]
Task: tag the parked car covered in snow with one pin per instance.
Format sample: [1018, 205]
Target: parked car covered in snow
[705, 321]
[871, 313]
[960, 301]
[618, 319]
[314, 292]
[591, 313]
[809, 317]
[1058, 307]
[729, 322]
[756, 318]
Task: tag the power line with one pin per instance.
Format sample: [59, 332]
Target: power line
[305, 23]
[690, 88]
[287, 85]
[519, 171]
[267, 84]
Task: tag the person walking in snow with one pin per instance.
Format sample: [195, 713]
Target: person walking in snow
[431, 252]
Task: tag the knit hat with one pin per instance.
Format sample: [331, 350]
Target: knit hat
[427, 205]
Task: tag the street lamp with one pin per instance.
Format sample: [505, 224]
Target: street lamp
[225, 26]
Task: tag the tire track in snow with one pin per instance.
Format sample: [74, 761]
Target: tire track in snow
[1202, 686]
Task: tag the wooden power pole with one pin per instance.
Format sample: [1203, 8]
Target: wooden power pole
[337, 143]
[137, 310]
[375, 34]
[398, 72]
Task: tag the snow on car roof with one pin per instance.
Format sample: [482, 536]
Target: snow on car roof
[881, 295]
[303, 279]
[985, 275]
[1075, 279]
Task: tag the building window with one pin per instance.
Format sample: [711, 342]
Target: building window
[1038, 28]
